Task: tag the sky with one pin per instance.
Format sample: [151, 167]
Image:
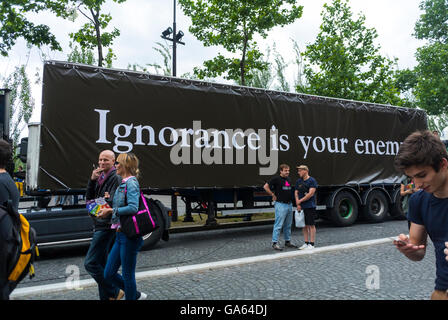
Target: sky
[142, 21]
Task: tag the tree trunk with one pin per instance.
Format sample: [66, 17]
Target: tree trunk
[243, 63]
[98, 36]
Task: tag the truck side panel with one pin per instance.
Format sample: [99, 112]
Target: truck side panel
[191, 134]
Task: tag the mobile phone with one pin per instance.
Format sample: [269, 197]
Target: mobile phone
[401, 241]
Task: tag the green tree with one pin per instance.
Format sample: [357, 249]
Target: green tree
[430, 82]
[262, 78]
[92, 34]
[80, 55]
[165, 52]
[21, 102]
[431, 89]
[165, 69]
[15, 25]
[433, 23]
[273, 77]
[344, 61]
[233, 24]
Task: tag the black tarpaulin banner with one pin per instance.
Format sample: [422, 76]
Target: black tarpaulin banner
[189, 133]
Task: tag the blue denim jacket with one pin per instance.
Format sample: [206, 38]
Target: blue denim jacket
[132, 196]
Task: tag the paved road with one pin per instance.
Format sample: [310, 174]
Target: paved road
[331, 275]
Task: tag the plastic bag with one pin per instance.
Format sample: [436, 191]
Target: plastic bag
[299, 216]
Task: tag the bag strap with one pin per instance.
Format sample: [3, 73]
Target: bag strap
[147, 208]
[126, 194]
[126, 191]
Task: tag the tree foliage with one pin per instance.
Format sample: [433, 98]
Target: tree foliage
[345, 62]
[21, 102]
[15, 25]
[431, 88]
[433, 23]
[165, 52]
[233, 24]
[92, 34]
[81, 55]
[429, 83]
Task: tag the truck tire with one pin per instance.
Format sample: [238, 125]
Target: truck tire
[376, 207]
[345, 210]
[149, 241]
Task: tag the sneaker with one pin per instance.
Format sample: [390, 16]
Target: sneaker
[310, 246]
[289, 244]
[304, 246]
[143, 296]
[275, 246]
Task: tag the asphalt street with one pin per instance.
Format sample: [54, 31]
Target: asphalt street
[366, 272]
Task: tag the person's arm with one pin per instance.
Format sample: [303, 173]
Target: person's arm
[307, 196]
[404, 192]
[90, 191]
[269, 191]
[414, 247]
[132, 201]
[296, 195]
[132, 198]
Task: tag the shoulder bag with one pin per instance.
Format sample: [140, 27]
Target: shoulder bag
[143, 222]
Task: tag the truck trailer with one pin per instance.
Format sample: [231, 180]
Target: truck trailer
[211, 145]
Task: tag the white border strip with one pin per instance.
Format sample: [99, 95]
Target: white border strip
[62, 286]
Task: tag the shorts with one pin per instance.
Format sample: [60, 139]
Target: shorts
[309, 216]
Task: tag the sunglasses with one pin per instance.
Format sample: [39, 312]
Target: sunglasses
[116, 163]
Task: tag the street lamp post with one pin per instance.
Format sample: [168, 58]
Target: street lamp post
[176, 37]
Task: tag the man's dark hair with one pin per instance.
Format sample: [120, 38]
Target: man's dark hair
[421, 148]
[5, 153]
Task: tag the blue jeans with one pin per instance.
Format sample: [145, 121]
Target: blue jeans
[96, 261]
[124, 254]
[283, 221]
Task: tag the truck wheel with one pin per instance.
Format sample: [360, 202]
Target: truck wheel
[376, 207]
[345, 210]
[151, 240]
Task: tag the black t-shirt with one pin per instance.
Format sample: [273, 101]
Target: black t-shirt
[282, 188]
[8, 190]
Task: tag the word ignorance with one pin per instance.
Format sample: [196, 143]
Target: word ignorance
[196, 145]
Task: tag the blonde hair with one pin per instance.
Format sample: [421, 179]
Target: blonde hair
[130, 162]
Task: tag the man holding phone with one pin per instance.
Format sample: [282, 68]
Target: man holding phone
[424, 159]
[102, 183]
